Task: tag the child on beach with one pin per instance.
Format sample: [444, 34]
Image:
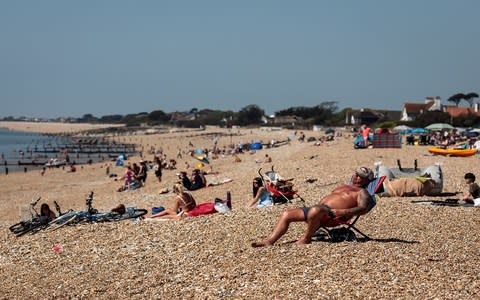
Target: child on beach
[472, 190]
[128, 179]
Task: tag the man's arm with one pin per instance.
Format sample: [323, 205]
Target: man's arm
[363, 203]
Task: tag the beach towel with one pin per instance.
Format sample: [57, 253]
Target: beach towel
[202, 209]
[449, 202]
[215, 183]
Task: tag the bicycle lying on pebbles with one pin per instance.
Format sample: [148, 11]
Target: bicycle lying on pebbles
[91, 215]
[70, 217]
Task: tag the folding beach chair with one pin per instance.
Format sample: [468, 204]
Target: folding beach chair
[346, 230]
[281, 190]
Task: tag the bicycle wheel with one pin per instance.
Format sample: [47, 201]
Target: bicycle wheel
[15, 228]
[30, 226]
[42, 226]
[131, 213]
[138, 212]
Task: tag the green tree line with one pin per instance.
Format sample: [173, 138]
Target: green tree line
[325, 113]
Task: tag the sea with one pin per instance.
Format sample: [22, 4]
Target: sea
[18, 146]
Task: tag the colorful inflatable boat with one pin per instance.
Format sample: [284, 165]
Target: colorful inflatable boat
[452, 152]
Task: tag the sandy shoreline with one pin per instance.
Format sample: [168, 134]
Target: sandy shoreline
[52, 127]
[417, 251]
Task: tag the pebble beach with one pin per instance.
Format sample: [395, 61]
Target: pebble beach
[415, 252]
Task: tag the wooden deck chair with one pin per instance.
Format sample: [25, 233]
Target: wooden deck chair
[343, 232]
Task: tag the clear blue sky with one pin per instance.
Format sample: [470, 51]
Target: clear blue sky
[69, 58]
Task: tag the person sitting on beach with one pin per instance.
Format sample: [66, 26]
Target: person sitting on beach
[172, 164]
[345, 202]
[236, 158]
[260, 194]
[184, 202]
[197, 180]
[47, 213]
[184, 180]
[472, 190]
[267, 159]
[135, 169]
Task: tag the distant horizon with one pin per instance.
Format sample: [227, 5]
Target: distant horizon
[111, 57]
[461, 104]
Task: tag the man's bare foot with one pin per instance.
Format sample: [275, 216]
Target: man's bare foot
[302, 242]
[261, 244]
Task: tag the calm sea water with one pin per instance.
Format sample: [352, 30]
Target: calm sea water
[16, 145]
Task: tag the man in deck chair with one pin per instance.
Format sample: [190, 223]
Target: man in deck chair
[338, 208]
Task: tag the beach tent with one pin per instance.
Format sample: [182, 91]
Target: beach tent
[359, 142]
[256, 146]
[120, 160]
[199, 151]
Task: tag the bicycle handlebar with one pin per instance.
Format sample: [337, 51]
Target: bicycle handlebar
[89, 201]
[33, 203]
[57, 208]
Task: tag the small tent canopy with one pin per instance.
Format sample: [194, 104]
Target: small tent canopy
[120, 160]
[199, 151]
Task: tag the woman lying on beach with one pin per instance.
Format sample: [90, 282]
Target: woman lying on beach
[184, 202]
